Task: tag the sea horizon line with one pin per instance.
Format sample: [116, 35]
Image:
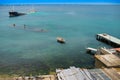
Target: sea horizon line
[60, 3]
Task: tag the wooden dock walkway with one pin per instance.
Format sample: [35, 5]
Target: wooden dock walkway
[113, 41]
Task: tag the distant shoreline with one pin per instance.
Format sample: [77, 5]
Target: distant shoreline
[59, 3]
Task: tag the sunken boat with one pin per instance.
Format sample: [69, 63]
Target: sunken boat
[14, 14]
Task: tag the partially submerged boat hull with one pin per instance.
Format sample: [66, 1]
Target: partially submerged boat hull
[14, 14]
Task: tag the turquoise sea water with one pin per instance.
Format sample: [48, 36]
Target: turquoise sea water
[27, 51]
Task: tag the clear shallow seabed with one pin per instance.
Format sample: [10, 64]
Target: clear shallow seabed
[27, 51]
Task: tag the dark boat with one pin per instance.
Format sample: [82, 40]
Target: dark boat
[14, 14]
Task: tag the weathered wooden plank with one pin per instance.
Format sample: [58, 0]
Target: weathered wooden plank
[109, 60]
[112, 74]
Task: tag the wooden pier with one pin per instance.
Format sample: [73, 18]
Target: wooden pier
[113, 41]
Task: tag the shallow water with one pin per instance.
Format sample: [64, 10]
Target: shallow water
[29, 51]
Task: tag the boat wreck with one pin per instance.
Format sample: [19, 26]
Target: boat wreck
[14, 14]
